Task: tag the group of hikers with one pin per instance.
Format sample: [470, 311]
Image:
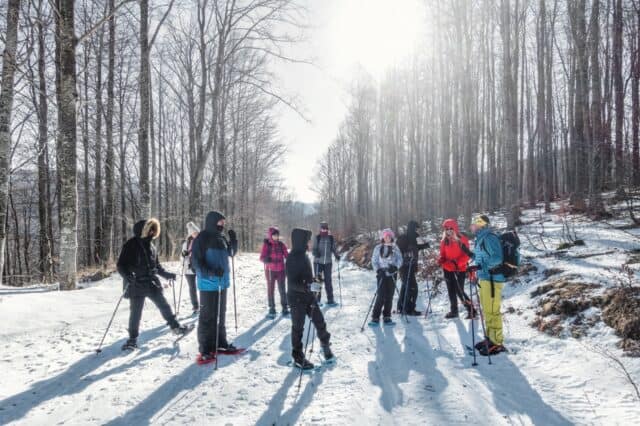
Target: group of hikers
[207, 256]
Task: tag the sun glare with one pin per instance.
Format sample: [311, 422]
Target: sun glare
[375, 34]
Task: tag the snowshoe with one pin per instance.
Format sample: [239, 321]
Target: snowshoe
[493, 350]
[203, 359]
[196, 312]
[286, 312]
[229, 349]
[374, 323]
[332, 304]
[470, 316]
[303, 364]
[130, 345]
[328, 354]
[388, 322]
[181, 330]
[272, 313]
[414, 313]
[484, 343]
[451, 315]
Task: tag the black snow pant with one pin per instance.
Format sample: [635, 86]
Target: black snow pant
[303, 305]
[384, 298]
[135, 311]
[408, 277]
[209, 328]
[193, 291]
[455, 288]
[325, 270]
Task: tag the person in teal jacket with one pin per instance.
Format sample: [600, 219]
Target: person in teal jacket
[487, 256]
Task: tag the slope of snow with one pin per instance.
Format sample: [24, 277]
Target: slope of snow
[414, 374]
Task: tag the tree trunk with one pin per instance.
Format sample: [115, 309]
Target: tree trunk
[109, 207]
[618, 89]
[143, 123]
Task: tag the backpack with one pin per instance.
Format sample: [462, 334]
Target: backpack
[510, 243]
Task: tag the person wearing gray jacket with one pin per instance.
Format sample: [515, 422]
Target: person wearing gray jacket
[189, 273]
[386, 258]
[324, 246]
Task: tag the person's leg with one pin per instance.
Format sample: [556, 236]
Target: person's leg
[315, 313]
[163, 306]
[298, 314]
[450, 279]
[491, 310]
[270, 288]
[282, 289]
[193, 291]
[135, 314]
[222, 325]
[377, 307]
[404, 279]
[389, 287]
[206, 324]
[328, 283]
[413, 292]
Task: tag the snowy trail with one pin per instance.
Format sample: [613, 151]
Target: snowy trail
[415, 373]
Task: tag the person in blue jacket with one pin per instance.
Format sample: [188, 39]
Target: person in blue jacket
[488, 256]
[210, 260]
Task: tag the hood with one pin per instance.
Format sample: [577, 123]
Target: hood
[412, 230]
[272, 230]
[451, 223]
[137, 228]
[299, 239]
[150, 224]
[211, 221]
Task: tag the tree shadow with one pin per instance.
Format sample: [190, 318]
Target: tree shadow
[187, 380]
[512, 393]
[75, 378]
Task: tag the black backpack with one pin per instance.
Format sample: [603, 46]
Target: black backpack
[510, 243]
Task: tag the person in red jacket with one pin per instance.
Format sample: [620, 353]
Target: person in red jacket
[453, 260]
[273, 254]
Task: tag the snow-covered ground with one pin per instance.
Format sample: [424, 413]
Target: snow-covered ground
[414, 374]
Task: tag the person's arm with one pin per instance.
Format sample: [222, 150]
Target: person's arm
[375, 258]
[494, 251]
[397, 256]
[334, 249]
[285, 251]
[315, 251]
[263, 252]
[124, 261]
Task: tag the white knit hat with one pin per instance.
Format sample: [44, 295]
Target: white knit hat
[192, 228]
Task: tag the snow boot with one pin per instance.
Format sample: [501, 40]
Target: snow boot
[484, 343]
[388, 322]
[303, 364]
[285, 311]
[130, 345]
[332, 304]
[414, 313]
[374, 322]
[272, 313]
[493, 350]
[329, 358]
[228, 348]
[451, 315]
[180, 330]
[202, 359]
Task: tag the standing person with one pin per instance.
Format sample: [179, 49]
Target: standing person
[210, 259]
[139, 267]
[488, 255]
[386, 259]
[303, 301]
[273, 254]
[408, 244]
[324, 246]
[453, 259]
[187, 267]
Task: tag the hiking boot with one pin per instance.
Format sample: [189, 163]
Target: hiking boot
[130, 345]
[374, 322]
[451, 315]
[227, 348]
[326, 351]
[414, 313]
[202, 359]
[299, 361]
[484, 344]
[180, 330]
[388, 321]
[493, 350]
[285, 311]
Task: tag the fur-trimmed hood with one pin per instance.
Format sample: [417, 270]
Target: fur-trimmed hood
[150, 224]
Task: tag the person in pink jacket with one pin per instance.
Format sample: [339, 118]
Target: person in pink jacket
[273, 254]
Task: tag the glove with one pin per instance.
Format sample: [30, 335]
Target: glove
[232, 235]
[392, 269]
[315, 287]
[172, 276]
[336, 256]
[185, 253]
[218, 272]
[472, 268]
[267, 259]
[380, 273]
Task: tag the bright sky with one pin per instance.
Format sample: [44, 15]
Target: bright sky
[344, 34]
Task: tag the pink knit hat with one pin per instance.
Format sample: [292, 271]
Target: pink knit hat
[388, 232]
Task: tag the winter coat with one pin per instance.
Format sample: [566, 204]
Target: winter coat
[408, 245]
[452, 257]
[297, 265]
[488, 254]
[384, 256]
[273, 253]
[138, 262]
[187, 246]
[323, 247]
[210, 254]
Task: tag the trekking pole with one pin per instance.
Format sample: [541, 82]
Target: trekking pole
[473, 330]
[429, 297]
[340, 284]
[218, 326]
[180, 292]
[112, 317]
[306, 343]
[406, 291]
[173, 288]
[371, 304]
[484, 328]
[235, 308]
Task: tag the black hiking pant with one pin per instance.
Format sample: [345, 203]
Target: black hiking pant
[303, 305]
[455, 288]
[408, 277]
[136, 304]
[193, 291]
[211, 326]
[384, 298]
[325, 270]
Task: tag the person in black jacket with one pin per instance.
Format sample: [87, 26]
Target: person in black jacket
[302, 297]
[408, 245]
[139, 267]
